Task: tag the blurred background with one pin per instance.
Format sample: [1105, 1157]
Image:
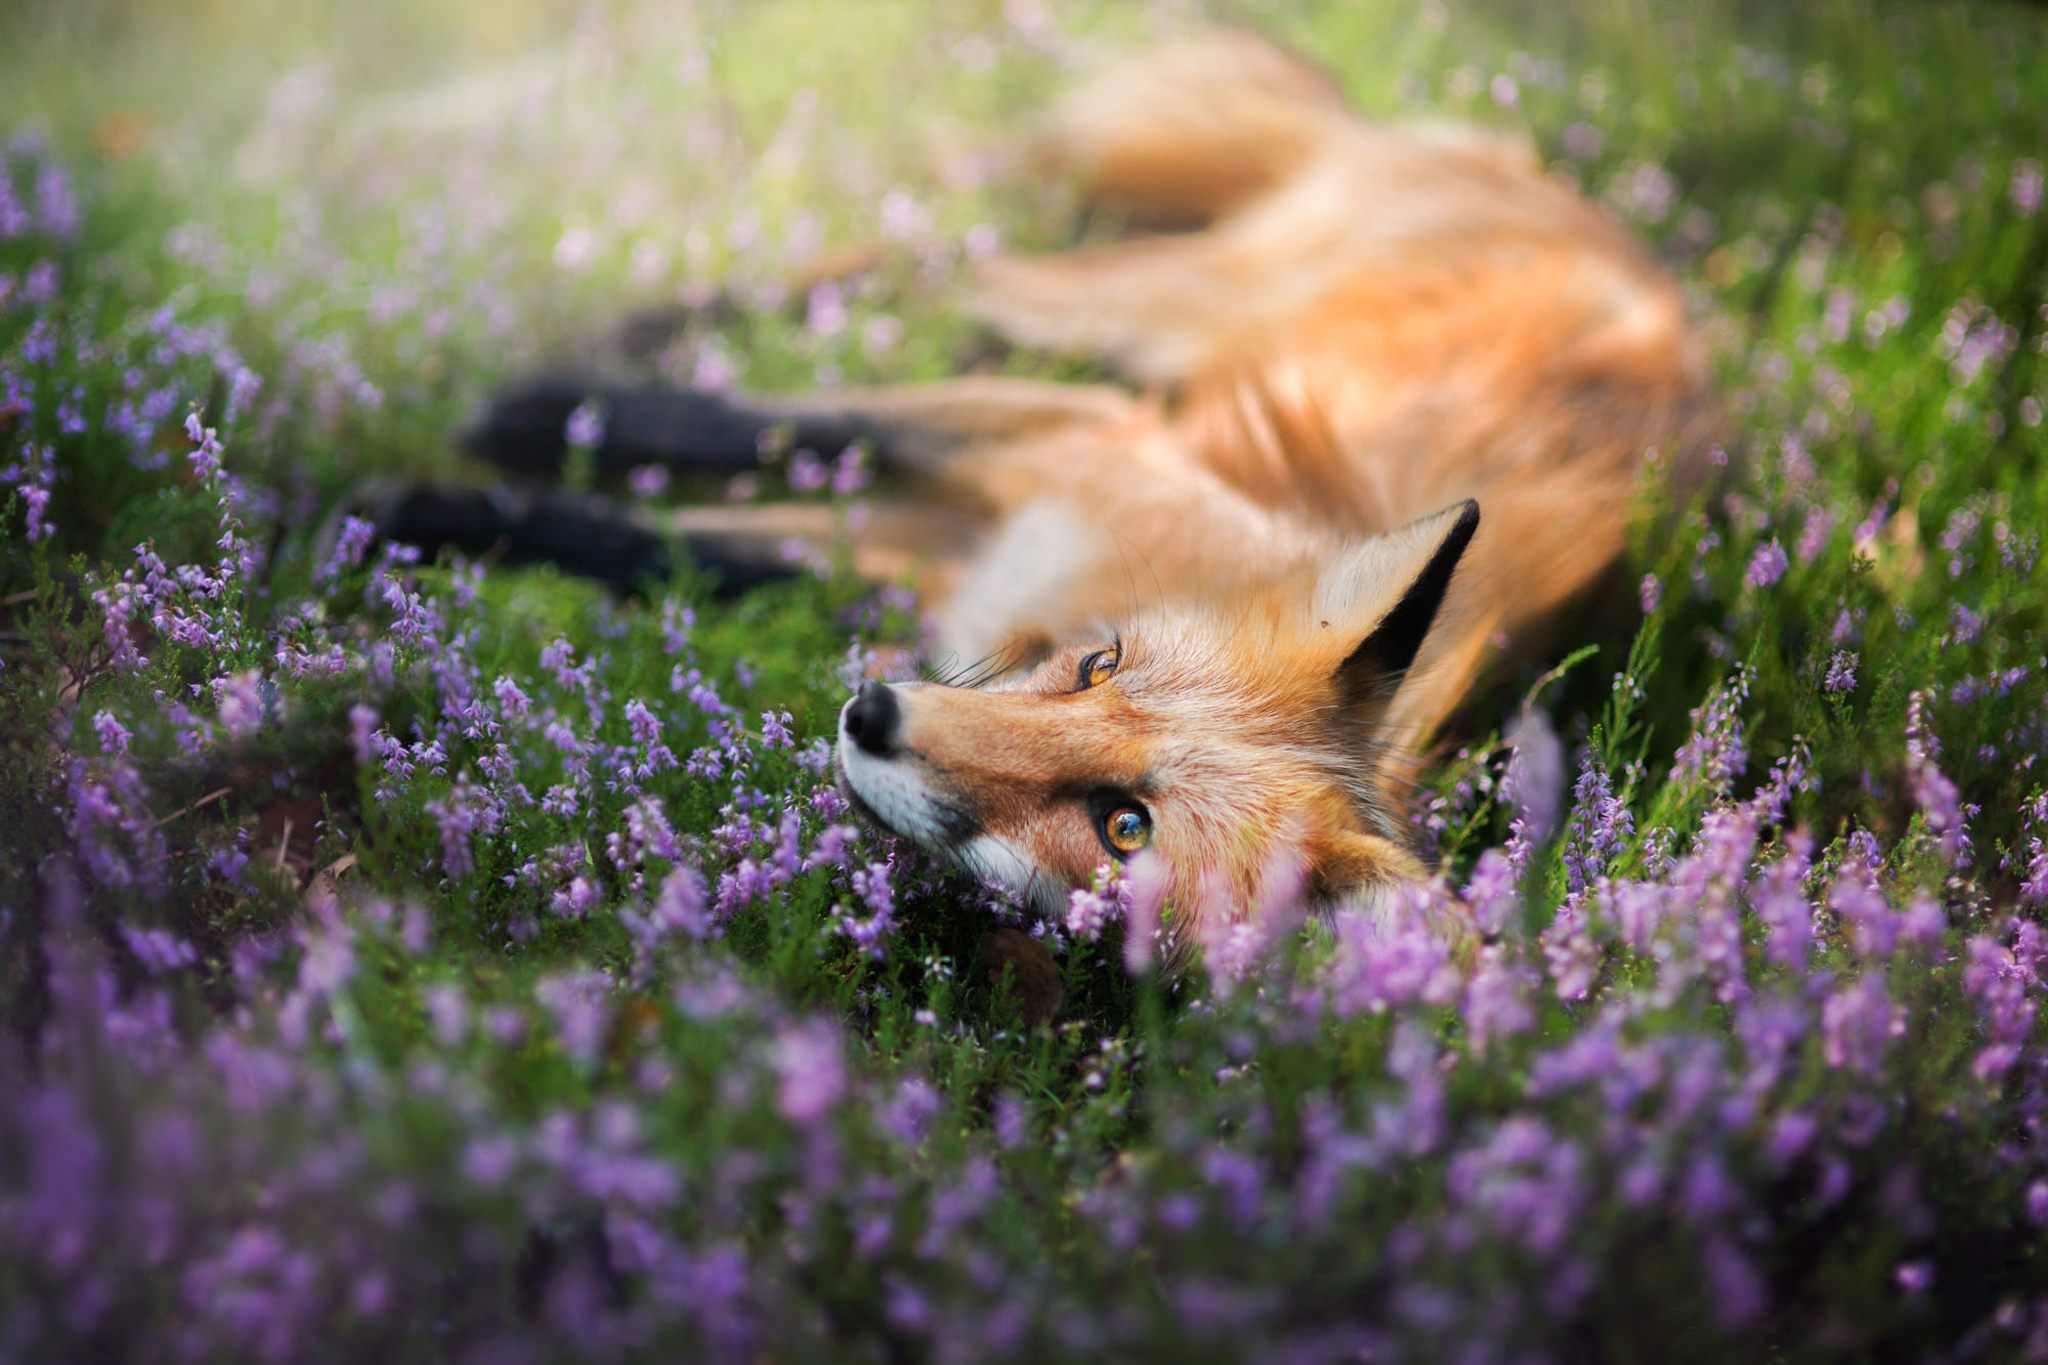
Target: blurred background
[393, 204]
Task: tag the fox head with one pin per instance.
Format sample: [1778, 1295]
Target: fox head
[1221, 739]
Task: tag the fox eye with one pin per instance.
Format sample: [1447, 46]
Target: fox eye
[1126, 829]
[1098, 668]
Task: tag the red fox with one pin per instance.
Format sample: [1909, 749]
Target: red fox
[1397, 390]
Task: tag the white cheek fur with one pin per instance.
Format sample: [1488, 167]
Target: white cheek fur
[896, 794]
[994, 859]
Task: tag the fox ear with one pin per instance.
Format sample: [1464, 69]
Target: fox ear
[1384, 595]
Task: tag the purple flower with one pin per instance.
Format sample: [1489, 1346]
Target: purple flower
[1789, 775]
[648, 480]
[1573, 957]
[585, 428]
[1145, 881]
[467, 811]
[1534, 783]
[1497, 998]
[1914, 1277]
[579, 1002]
[680, 908]
[1940, 804]
[647, 835]
[1855, 896]
[1923, 922]
[2000, 979]
[873, 886]
[916, 1103]
[1387, 959]
[1738, 1293]
[448, 1012]
[32, 478]
[745, 883]
[1779, 899]
[512, 699]
[2034, 890]
[1813, 536]
[206, 452]
[809, 1071]
[831, 850]
[113, 735]
[241, 703]
[558, 658]
[1841, 672]
[1717, 752]
[1088, 911]
[1789, 1136]
[1599, 827]
[1767, 565]
[1526, 1180]
[1637, 909]
[1706, 1192]
[158, 950]
[825, 311]
[807, 473]
[350, 542]
[850, 472]
[1976, 341]
[489, 1160]
[578, 898]
[1858, 1023]
[1494, 892]
[2025, 189]
[117, 838]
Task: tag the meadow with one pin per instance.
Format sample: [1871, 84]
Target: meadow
[447, 960]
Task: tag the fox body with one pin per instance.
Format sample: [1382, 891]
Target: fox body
[1260, 579]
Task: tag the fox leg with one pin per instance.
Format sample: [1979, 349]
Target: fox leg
[591, 537]
[525, 428]
[910, 427]
[918, 432]
[924, 429]
[891, 540]
[919, 542]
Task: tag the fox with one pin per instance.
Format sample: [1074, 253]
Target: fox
[1381, 399]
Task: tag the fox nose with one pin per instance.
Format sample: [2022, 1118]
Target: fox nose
[872, 718]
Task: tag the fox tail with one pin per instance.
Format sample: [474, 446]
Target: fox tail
[1193, 135]
[1282, 183]
[1190, 132]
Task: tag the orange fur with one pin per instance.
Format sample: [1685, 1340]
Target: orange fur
[1371, 325]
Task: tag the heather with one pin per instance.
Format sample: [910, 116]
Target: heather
[451, 960]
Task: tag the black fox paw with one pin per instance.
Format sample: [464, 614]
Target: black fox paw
[581, 534]
[588, 536]
[525, 430]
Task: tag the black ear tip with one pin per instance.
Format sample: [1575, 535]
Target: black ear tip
[1397, 639]
[1465, 525]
